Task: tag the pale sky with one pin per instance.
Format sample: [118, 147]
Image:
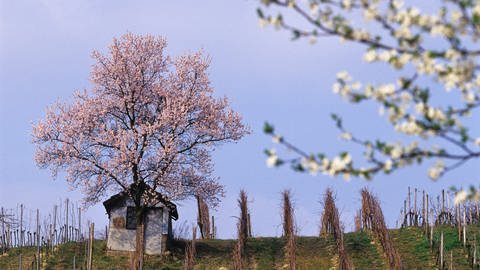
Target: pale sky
[45, 51]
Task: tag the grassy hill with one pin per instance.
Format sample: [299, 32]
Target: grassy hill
[267, 253]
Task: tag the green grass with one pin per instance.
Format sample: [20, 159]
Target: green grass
[414, 248]
[316, 253]
[363, 252]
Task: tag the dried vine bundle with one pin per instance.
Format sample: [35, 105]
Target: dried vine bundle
[330, 224]
[242, 232]
[238, 251]
[358, 220]
[289, 230]
[190, 252]
[203, 218]
[372, 218]
[244, 220]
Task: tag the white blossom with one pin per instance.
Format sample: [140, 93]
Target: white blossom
[396, 152]
[460, 197]
[370, 13]
[325, 163]
[386, 90]
[262, 22]
[312, 166]
[272, 159]
[370, 56]
[277, 139]
[470, 97]
[436, 171]
[314, 9]
[343, 76]
[388, 165]
[346, 136]
[420, 107]
[347, 4]
[456, 15]
[356, 85]
[397, 4]
[477, 141]
[476, 9]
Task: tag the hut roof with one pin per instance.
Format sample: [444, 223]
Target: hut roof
[117, 198]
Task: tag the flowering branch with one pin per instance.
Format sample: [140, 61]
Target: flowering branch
[429, 53]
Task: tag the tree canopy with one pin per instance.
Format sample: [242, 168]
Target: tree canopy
[148, 125]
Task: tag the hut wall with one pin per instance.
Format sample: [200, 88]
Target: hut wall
[156, 229]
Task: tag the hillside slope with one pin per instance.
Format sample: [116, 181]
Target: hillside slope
[314, 253]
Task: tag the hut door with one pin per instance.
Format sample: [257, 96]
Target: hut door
[153, 231]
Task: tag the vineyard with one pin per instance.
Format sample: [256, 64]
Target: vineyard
[433, 233]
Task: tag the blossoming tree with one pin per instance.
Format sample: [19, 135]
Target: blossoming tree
[148, 125]
[431, 53]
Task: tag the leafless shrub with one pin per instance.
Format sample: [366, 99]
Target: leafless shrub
[331, 225]
[372, 218]
[289, 230]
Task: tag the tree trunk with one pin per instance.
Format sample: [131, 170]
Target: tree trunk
[140, 238]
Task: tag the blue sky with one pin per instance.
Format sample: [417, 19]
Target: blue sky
[45, 51]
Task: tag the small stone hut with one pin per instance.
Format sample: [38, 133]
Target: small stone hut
[122, 224]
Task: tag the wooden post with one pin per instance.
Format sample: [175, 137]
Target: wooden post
[72, 222]
[448, 200]
[474, 250]
[4, 242]
[443, 201]
[428, 212]
[79, 224]
[476, 208]
[50, 240]
[85, 258]
[66, 222]
[464, 229]
[451, 261]
[15, 238]
[459, 225]
[441, 251]
[54, 225]
[405, 218]
[38, 239]
[74, 263]
[90, 246]
[409, 208]
[439, 210]
[20, 266]
[469, 221]
[213, 227]
[21, 225]
[249, 225]
[415, 221]
[431, 236]
[423, 207]
[401, 218]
